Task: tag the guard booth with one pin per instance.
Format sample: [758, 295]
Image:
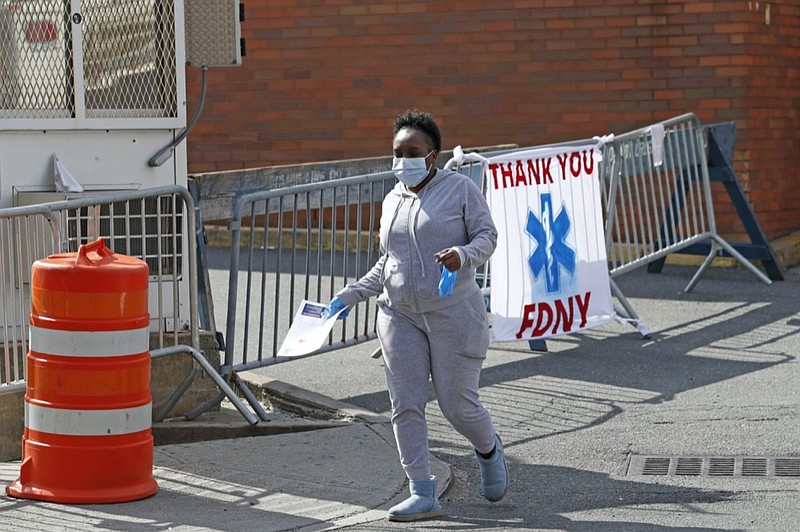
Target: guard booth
[93, 100]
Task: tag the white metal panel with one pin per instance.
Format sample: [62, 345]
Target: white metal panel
[93, 157]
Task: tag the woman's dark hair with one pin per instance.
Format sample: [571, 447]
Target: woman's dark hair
[420, 121]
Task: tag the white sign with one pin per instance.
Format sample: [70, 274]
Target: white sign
[549, 274]
[309, 330]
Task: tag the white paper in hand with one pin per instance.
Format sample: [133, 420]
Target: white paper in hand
[309, 330]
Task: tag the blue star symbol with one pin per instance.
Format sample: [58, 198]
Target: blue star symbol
[552, 252]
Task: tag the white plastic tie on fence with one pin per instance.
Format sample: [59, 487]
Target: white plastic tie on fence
[460, 157]
[657, 141]
[601, 141]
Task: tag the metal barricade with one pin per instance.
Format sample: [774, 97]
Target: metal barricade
[719, 140]
[660, 198]
[472, 165]
[156, 225]
[656, 197]
[302, 242]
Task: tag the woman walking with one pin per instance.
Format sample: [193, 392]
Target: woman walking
[435, 230]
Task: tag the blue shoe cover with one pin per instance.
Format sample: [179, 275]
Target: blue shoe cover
[494, 473]
[422, 504]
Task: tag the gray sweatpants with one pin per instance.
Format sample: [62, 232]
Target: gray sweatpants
[448, 346]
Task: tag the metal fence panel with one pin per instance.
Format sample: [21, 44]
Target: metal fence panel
[658, 206]
[150, 224]
[474, 167]
[301, 242]
[656, 198]
[659, 197]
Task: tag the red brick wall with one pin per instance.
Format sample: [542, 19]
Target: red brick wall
[770, 136]
[323, 80]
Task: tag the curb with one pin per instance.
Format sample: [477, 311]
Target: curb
[313, 411]
[307, 403]
[183, 431]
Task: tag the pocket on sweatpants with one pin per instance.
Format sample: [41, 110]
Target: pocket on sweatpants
[472, 334]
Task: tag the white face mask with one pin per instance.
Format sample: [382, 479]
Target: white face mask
[411, 171]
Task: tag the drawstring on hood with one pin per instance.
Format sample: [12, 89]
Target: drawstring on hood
[388, 238]
[413, 234]
[411, 230]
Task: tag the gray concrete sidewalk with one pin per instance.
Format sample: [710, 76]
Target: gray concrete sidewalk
[295, 481]
[293, 472]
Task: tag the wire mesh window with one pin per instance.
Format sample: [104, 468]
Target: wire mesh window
[129, 58]
[128, 50]
[35, 60]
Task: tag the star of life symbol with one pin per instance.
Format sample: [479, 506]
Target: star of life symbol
[552, 252]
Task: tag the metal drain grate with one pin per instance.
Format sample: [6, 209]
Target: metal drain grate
[715, 466]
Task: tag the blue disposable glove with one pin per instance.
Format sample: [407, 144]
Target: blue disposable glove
[447, 282]
[335, 306]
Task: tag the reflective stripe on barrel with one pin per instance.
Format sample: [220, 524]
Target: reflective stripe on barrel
[88, 422]
[89, 343]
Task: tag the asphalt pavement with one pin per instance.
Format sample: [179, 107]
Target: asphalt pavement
[708, 405]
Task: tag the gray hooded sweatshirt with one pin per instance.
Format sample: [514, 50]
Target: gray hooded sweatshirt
[449, 212]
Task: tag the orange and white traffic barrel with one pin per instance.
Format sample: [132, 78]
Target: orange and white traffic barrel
[88, 409]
